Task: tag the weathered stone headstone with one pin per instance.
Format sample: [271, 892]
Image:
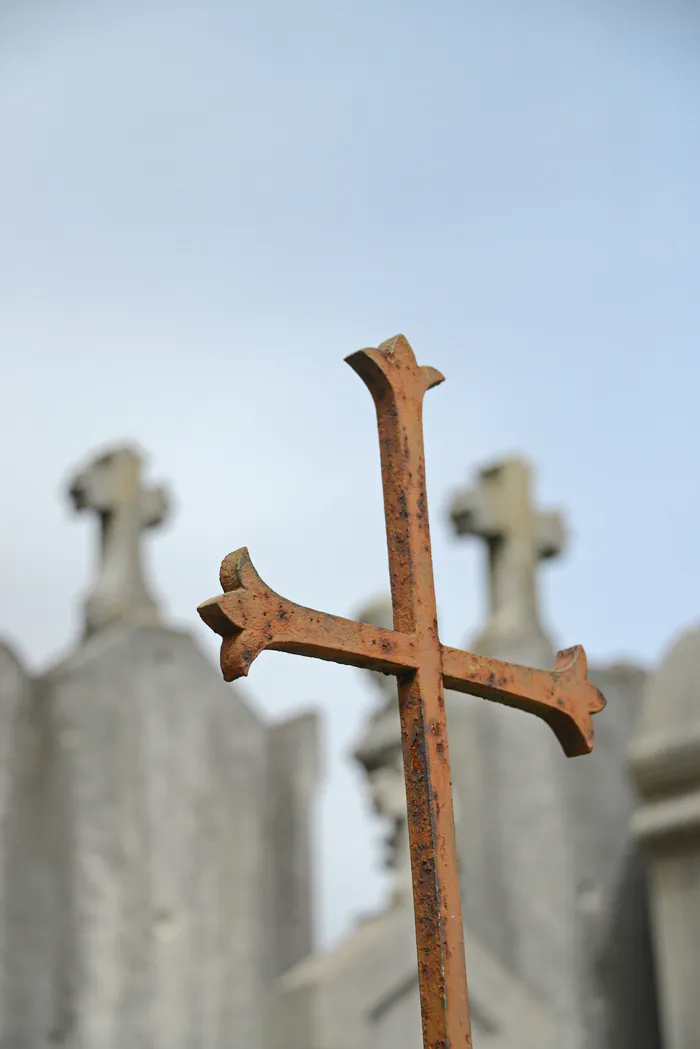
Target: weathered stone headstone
[293, 775]
[550, 854]
[111, 487]
[364, 993]
[499, 510]
[665, 758]
[519, 880]
[26, 891]
[617, 985]
[156, 787]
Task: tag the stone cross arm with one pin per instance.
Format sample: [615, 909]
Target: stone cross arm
[112, 487]
[250, 617]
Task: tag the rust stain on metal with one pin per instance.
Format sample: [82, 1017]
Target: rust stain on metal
[250, 617]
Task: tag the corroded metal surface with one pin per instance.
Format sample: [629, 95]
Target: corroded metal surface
[250, 617]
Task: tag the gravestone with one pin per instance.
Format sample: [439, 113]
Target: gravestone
[553, 881]
[293, 776]
[665, 757]
[519, 892]
[155, 804]
[111, 487]
[499, 510]
[363, 994]
[25, 884]
[618, 989]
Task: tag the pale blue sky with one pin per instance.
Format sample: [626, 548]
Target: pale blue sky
[205, 205]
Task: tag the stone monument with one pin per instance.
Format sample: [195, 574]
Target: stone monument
[148, 873]
[553, 881]
[111, 487]
[665, 757]
[293, 775]
[25, 884]
[520, 884]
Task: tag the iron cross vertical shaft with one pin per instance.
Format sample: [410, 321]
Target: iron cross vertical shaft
[250, 617]
[398, 386]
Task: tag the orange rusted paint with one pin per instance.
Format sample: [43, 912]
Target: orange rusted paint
[250, 617]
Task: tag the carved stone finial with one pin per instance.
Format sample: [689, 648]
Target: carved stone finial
[379, 612]
[499, 509]
[379, 751]
[111, 486]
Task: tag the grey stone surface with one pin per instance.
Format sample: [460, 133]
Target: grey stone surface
[612, 913]
[364, 995]
[665, 757]
[379, 752]
[293, 775]
[552, 879]
[157, 874]
[111, 486]
[156, 779]
[519, 876]
[499, 510]
[26, 889]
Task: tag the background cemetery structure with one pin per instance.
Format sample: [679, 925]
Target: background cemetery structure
[517, 817]
[665, 757]
[553, 881]
[364, 992]
[547, 862]
[135, 722]
[148, 893]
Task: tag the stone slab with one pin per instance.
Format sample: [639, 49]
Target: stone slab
[155, 782]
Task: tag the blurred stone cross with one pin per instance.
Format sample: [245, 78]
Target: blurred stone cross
[111, 485]
[499, 509]
[251, 617]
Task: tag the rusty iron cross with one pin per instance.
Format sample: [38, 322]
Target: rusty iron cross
[250, 617]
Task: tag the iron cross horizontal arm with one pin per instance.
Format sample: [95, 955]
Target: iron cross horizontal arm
[251, 617]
